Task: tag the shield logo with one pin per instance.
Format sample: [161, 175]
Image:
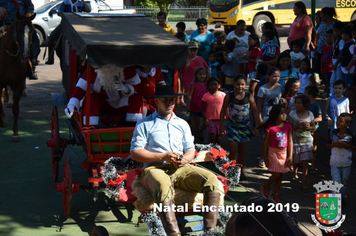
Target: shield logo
[328, 208]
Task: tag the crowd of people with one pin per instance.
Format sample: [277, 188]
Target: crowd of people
[281, 100]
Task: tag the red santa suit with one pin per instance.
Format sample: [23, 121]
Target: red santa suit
[104, 96]
[147, 87]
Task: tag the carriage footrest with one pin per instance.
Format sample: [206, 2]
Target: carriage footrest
[192, 229]
[187, 219]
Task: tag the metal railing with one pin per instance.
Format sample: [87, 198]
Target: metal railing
[175, 14]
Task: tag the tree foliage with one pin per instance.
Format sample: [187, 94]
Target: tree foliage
[164, 5]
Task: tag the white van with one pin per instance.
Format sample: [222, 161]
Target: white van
[47, 18]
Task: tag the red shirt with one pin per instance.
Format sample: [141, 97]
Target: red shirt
[297, 28]
[327, 54]
[251, 66]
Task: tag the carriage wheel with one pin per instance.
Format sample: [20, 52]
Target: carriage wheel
[67, 187]
[56, 151]
[99, 231]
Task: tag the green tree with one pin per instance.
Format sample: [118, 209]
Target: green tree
[164, 5]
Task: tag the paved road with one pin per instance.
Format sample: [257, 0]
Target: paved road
[29, 204]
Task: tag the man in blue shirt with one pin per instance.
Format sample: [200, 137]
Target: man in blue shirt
[66, 6]
[164, 143]
[8, 9]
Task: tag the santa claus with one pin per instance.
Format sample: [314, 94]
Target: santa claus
[150, 79]
[112, 91]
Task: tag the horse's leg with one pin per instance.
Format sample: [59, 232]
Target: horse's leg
[6, 96]
[2, 109]
[17, 93]
[24, 93]
[10, 102]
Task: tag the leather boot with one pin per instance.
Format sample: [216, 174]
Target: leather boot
[169, 220]
[51, 52]
[210, 218]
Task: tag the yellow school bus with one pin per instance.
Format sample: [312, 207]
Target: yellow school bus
[279, 12]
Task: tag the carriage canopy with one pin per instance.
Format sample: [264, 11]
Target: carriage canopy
[122, 40]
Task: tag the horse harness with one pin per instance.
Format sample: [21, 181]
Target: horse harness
[3, 31]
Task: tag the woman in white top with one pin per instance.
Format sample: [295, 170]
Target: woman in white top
[240, 36]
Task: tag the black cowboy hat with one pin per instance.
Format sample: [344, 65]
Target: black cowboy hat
[165, 91]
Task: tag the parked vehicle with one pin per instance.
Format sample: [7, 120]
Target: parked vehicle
[47, 18]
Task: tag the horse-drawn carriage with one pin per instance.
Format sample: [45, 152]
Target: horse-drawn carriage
[102, 40]
[122, 41]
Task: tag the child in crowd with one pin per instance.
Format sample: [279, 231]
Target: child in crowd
[194, 105]
[302, 122]
[326, 60]
[285, 67]
[214, 66]
[187, 74]
[314, 107]
[220, 48]
[231, 67]
[346, 62]
[254, 50]
[260, 79]
[336, 104]
[277, 149]
[212, 104]
[239, 129]
[269, 46]
[342, 144]
[306, 77]
[181, 28]
[181, 36]
[269, 94]
[291, 92]
[338, 45]
[296, 56]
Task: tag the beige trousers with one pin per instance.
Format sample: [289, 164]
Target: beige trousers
[158, 180]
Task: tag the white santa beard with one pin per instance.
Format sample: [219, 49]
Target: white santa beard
[107, 75]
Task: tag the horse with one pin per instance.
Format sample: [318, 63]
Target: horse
[262, 223]
[14, 66]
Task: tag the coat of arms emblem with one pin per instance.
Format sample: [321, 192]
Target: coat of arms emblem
[328, 205]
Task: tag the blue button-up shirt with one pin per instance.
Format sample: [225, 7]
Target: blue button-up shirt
[11, 8]
[157, 134]
[68, 6]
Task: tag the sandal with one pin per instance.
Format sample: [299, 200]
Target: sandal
[313, 171]
[265, 193]
[305, 189]
[261, 163]
[296, 180]
[276, 199]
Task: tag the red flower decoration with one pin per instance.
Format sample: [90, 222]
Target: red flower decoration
[232, 164]
[112, 183]
[215, 154]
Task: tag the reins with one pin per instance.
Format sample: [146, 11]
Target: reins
[15, 36]
[252, 193]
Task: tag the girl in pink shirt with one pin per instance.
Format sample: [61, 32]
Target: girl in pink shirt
[212, 104]
[194, 106]
[278, 144]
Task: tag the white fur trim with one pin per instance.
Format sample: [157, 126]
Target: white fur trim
[82, 83]
[152, 72]
[75, 102]
[133, 80]
[133, 117]
[93, 120]
[97, 85]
